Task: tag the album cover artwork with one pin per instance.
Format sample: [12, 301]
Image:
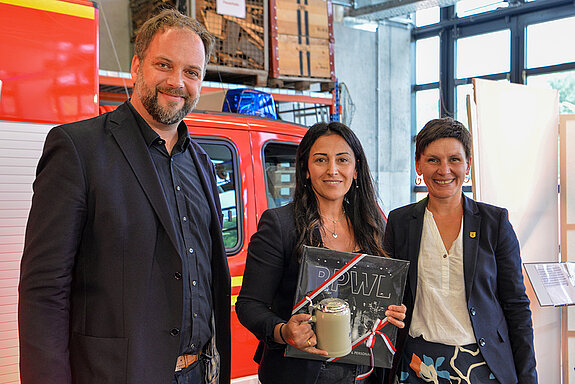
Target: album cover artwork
[369, 284]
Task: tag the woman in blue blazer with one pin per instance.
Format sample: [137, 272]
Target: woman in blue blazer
[468, 317]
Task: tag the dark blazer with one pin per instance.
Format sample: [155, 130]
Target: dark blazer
[101, 295]
[496, 299]
[267, 294]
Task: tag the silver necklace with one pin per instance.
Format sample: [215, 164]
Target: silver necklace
[334, 233]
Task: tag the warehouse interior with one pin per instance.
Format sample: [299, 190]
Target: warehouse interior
[362, 59]
[401, 63]
[398, 65]
[384, 67]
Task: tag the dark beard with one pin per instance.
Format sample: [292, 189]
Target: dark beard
[163, 115]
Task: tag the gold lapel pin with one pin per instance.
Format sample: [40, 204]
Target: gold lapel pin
[472, 235]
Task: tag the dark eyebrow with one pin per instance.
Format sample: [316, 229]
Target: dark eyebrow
[337, 154]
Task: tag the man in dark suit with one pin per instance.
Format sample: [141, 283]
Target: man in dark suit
[124, 277]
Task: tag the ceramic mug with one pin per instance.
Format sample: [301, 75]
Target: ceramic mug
[332, 326]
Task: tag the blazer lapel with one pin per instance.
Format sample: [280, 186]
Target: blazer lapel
[415, 229]
[125, 131]
[471, 228]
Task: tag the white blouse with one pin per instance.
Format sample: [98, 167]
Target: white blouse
[440, 312]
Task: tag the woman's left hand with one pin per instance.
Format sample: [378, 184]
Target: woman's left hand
[396, 314]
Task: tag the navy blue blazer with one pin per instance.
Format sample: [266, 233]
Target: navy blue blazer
[101, 295]
[496, 300]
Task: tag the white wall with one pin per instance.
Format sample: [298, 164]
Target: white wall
[516, 167]
[114, 35]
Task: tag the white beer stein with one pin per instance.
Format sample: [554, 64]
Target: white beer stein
[332, 326]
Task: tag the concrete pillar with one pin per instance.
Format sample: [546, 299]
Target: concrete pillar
[375, 66]
[114, 35]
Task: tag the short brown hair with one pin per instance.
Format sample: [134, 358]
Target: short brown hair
[171, 18]
[443, 128]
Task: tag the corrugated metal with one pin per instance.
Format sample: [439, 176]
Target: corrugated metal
[20, 148]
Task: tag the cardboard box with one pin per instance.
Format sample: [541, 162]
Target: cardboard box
[306, 57]
[281, 176]
[301, 18]
[211, 101]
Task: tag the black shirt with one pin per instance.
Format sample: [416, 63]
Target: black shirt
[191, 217]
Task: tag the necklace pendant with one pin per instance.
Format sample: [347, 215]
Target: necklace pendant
[334, 235]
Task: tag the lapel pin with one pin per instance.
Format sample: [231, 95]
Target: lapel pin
[472, 235]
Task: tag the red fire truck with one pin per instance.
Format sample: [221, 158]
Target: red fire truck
[49, 76]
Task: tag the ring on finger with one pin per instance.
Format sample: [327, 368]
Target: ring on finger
[309, 341]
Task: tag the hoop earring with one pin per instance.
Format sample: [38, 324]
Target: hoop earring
[417, 180]
[467, 178]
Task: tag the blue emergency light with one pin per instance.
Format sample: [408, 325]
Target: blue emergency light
[250, 102]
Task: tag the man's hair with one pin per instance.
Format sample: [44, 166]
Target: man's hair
[171, 18]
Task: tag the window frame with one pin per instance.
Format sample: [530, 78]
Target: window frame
[240, 209]
[263, 157]
[450, 28]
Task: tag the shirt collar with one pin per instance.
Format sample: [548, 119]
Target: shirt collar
[151, 137]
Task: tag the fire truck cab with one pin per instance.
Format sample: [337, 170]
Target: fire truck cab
[49, 76]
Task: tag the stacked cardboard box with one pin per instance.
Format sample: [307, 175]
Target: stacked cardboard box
[281, 181]
[303, 45]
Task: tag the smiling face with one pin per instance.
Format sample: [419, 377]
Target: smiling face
[443, 166]
[331, 168]
[168, 78]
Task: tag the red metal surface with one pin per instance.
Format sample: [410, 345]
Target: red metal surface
[48, 65]
[248, 136]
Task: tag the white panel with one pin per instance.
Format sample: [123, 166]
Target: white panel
[569, 182]
[246, 380]
[571, 344]
[11, 196]
[516, 161]
[20, 148]
[571, 318]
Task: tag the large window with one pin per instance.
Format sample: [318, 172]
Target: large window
[427, 107]
[473, 7]
[564, 82]
[475, 54]
[427, 16]
[550, 65]
[529, 43]
[550, 43]
[427, 60]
